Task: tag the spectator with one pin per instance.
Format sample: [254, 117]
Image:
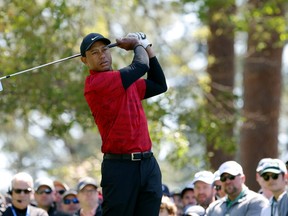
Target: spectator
[203, 188]
[21, 192]
[187, 197]
[239, 200]
[274, 174]
[263, 189]
[219, 190]
[88, 197]
[60, 189]
[167, 208]
[70, 203]
[45, 196]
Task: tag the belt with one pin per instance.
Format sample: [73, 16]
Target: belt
[136, 156]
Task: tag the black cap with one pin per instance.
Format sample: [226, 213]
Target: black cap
[89, 40]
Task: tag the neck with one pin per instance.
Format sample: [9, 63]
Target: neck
[278, 193]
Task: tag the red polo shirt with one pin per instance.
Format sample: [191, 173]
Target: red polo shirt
[117, 112]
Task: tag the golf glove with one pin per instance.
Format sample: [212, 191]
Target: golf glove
[141, 37]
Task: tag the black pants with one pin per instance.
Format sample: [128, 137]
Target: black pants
[131, 188]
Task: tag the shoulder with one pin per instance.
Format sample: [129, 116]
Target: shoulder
[214, 206]
[256, 197]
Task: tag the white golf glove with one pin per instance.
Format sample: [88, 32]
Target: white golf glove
[141, 37]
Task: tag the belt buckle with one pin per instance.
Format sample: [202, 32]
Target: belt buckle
[133, 156]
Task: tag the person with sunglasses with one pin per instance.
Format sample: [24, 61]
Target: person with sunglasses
[263, 189]
[45, 196]
[21, 192]
[239, 199]
[218, 186]
[70, 203]
[60, 189]
[274, 174]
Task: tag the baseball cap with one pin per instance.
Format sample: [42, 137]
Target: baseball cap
[83, 182]
[89, 40]
[274, 166]
[204, 176]
[262, 163]
[231, 167]
[69, 192]
[43, 182]
[216, 176]
[194, 210]
[165, 190]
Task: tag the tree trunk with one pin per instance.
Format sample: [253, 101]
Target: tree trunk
[262, 92]
[221, 71]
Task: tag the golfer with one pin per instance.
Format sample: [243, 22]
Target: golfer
[131, 178]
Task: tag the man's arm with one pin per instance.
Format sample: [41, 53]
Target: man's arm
[155, 82]
[140, 62]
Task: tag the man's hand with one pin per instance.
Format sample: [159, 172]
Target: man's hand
[141, 37]
[128, 43]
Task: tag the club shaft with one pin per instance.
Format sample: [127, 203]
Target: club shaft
[47, 64]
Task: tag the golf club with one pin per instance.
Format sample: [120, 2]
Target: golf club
[44, 65]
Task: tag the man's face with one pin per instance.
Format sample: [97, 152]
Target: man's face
[44, 197]
[189, 198]
[70, 204]
[98, 57]
[21, 194]
[232, 184]
[204, 193]
[88, 196]
[274, 182]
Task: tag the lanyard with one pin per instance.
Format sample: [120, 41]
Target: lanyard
[14, 212]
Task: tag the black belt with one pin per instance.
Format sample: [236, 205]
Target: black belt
[136, 156]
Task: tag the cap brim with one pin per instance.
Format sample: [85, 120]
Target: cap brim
[105, 40]
[271, 170]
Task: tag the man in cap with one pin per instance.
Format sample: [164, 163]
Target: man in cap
[131, 177]
[239, 200]
[21, 193]
[45, 196]
[274, 174]
[203, 188]
[263, 188]
[87, 195]
[70, 203]
[60, 188]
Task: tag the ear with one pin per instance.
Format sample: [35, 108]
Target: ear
[84, 60]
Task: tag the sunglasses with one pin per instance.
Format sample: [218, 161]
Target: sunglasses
[225, 177]
[46, 191]
[266, 177]
[217, 187]
[61, 192]
[68, 201]
[19, 191]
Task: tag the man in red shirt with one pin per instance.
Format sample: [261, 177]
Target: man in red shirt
[131, 177]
